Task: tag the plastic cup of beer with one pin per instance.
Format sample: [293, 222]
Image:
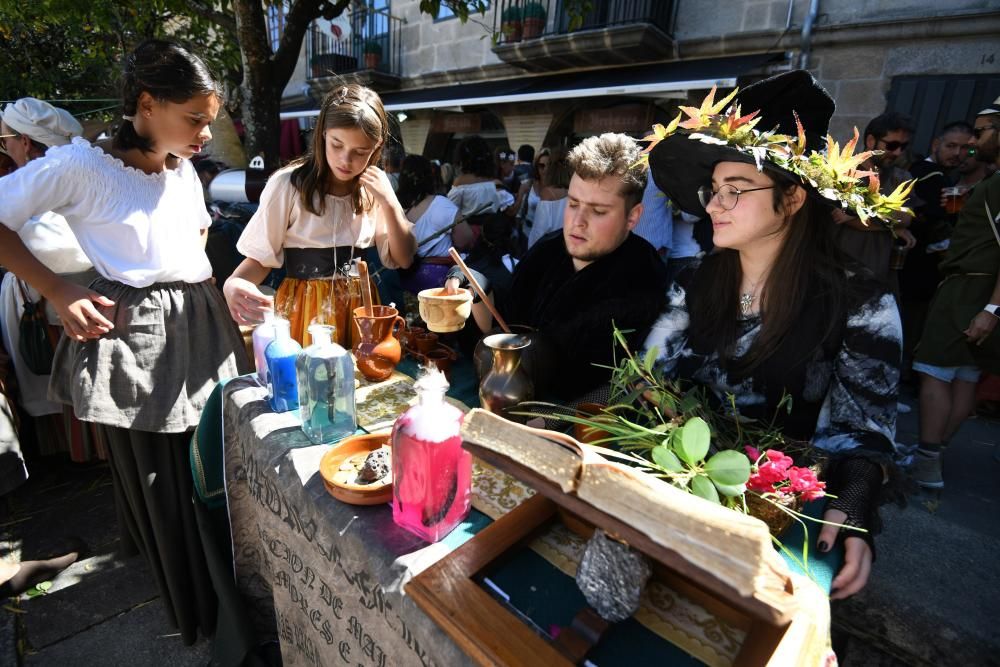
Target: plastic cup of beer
[954, 198]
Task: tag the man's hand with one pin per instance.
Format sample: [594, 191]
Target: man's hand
[980, 327]
[79, 316]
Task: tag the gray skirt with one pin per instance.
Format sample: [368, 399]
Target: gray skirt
[154, 371]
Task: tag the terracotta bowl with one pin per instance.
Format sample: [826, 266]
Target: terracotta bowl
[339, 483]
[442, 312]
[425, 342]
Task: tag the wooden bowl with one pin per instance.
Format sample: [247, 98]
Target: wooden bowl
[445, 313]
[337, 481]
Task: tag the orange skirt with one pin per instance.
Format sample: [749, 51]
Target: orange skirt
[322, 301]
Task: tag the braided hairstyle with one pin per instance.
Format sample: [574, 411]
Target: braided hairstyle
[167, 72]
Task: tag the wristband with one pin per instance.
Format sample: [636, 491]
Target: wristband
[993, 309]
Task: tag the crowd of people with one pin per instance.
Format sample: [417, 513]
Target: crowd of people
[731, 267]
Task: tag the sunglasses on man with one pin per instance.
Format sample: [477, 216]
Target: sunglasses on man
[978, 132]
[896, 145]
[3, 140]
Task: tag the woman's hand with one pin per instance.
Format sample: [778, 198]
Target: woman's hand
[247, 304]
[853, 575]
[79, 316]
[377, 182]
[909, 240]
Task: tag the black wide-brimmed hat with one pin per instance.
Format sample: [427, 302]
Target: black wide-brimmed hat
[680, 166]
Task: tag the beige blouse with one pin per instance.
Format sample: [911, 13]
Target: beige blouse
[281, 222]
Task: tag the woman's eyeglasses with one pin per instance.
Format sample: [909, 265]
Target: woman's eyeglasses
[727, 195]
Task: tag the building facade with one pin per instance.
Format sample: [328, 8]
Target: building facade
[531, 73]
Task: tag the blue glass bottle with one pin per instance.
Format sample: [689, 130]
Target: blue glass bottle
[280, 355]
[262, 336]
[326, 388]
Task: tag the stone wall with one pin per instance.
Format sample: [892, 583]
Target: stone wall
[859, 76]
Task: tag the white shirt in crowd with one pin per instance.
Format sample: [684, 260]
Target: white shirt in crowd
[136, 228]
[282, 222]
[480, 198]
[548, 218]
[440, 214]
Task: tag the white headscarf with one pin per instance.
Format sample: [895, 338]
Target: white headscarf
[41, 121]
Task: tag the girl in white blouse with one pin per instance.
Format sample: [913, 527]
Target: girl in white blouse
[150, 338]
[319, 213]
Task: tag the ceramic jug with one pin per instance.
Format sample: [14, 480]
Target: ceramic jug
[377, 351]
[507, 384]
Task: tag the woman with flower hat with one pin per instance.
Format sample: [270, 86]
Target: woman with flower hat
[777, 311]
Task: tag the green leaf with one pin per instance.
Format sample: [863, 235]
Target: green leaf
[663, 457]
[44, 586]
[688, 403]
[692, 445]
[702, 487]
[731, 491]
[728, 467]
[649, 359]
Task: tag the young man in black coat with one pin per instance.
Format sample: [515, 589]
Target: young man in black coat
[576, 285]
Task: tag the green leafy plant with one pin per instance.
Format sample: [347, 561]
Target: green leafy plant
[511, 15]
[373, 47]
[534, 10]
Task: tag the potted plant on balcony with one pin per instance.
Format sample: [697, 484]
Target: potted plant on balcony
[533, 16]
[373, 54]
[510, 24]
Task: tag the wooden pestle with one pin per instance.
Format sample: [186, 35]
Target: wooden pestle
[366, 288]
[479, 290]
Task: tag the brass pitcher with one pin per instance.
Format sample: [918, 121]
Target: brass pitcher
[507, 384]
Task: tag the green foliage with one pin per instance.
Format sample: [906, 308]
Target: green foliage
[534, 10]
[73, 50]
[511, 15]
[674, 431]
[460, 8]
[373, 46]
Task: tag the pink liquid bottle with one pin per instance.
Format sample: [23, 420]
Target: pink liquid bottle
[431, 473]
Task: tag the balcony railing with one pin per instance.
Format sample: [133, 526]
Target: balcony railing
[371, 43]
[522, 20]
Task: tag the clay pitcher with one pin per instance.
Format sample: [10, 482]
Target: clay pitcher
[377, 351]
[507, 383]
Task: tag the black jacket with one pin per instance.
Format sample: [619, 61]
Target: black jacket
[576, 311]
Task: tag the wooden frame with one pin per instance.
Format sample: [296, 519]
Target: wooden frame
[785, 623]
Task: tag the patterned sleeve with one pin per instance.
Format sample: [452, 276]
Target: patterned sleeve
[859, 412]
[669, 334]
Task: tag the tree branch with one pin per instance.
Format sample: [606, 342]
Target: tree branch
[224, 20]
[297, 21]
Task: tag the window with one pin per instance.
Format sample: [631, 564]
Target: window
[445, 12]
[276, 23]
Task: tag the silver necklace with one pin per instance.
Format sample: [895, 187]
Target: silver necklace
[747, 299]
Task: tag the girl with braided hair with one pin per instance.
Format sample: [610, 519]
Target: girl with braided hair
[321, 212]
[149, 339]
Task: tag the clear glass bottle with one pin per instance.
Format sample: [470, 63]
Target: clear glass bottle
[325, 375]
[281, 354]
[262, 336]
[431, 473]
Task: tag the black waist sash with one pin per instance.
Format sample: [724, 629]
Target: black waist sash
[312, 263]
